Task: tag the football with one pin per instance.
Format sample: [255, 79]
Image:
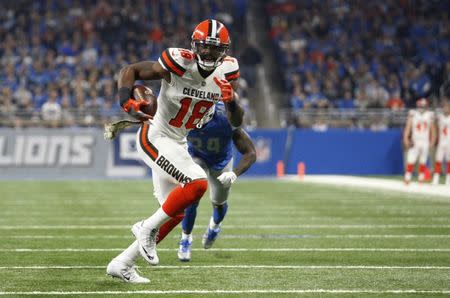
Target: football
[141, 92]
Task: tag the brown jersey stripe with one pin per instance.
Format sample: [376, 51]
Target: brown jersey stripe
[148, 147]
[232, 75]
[232, 72]
[171, 64]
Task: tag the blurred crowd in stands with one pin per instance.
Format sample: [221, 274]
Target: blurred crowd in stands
[59, 58]
[357, 55]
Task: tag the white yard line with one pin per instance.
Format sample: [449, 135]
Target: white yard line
[393, 215]
[241, 267]
[377, 184]
[236, 236]
[306, 249]
[300, 226]
[251, 291]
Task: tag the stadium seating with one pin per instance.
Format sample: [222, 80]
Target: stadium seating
[355, 56]
[59, 59]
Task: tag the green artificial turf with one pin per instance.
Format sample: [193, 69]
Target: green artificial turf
[285, 236]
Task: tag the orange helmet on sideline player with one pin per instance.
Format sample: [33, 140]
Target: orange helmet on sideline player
[210, 43]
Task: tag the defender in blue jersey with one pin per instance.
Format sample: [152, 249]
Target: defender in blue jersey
[211, 146]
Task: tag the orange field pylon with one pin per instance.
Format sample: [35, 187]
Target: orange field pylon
[301, 170]
[280, 168]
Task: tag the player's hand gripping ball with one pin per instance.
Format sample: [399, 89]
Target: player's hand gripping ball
[143, 104]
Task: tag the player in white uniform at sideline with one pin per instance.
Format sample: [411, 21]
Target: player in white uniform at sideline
[192, 81]
[443, 148]
[418, 137]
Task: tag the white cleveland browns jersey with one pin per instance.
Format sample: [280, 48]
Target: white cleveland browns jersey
[421, 125]
[186, 99]
[444, 129]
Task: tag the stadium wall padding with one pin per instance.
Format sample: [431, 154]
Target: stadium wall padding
[83, 153]
[331, 152]
[38, 153]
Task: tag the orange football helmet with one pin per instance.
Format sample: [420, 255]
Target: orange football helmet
[210, 43]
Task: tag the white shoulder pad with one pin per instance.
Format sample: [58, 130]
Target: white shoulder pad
[411, 113]
[231, 68]
[176, 60]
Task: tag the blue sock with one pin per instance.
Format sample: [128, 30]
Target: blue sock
[190, 213]
[219, 212]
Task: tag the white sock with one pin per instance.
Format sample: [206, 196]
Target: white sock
[436, 178]
[129, 255]
[408, 176]
[185, 236]
[421, 177]
[213, 225]
[156, 220]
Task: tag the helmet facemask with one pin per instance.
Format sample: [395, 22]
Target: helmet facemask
[209, 53]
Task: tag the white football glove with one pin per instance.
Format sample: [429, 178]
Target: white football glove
[227, 178]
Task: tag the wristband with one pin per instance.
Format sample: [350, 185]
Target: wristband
[232, 106]
[124, 95]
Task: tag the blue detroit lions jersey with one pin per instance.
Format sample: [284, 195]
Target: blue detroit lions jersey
[213, 142]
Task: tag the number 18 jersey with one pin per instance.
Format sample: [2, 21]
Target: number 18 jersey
[184, 101]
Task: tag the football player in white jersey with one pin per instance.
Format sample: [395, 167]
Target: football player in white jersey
[419, 135]
[443, 148]
[192, 81]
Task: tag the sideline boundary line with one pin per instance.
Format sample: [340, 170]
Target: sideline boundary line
[374, 184]
[300, 226]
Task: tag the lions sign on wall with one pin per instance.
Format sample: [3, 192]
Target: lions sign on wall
[82, 153]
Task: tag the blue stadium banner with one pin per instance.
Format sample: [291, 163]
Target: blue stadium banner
[270, 147]
[347, 152]
[83, 153]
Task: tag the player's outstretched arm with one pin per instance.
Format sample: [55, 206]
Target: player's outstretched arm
[245, 146]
